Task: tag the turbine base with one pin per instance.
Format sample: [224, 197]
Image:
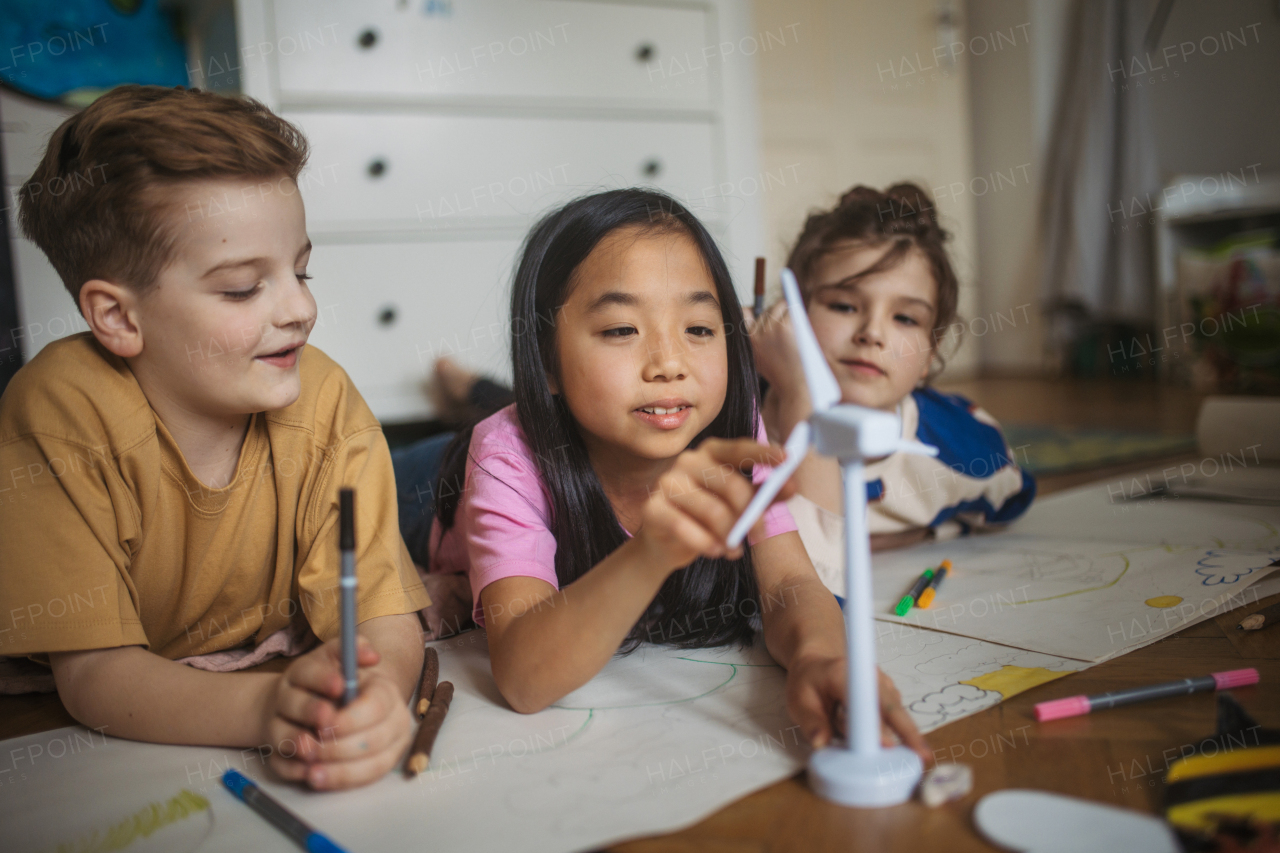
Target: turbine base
[885, 777]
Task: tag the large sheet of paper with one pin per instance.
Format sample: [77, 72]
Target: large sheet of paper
[946, 677]
[1091, 573]
[656, 741]
[664, 737]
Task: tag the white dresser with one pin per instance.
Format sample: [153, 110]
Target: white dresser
[46, 311]
[441, 129]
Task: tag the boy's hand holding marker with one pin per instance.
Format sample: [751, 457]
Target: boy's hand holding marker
[348, 727]
[314, 739]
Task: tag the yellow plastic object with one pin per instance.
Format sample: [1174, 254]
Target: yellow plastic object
[1238, 783]
[1236, 761]
[1206, 815]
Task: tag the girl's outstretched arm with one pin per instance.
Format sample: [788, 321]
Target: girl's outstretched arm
[804, 631]
[545, 643]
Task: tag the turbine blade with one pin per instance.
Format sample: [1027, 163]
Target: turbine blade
[823, 388]
[797, 446]
[906, 445]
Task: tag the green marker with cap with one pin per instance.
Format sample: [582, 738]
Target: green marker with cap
[909, 600]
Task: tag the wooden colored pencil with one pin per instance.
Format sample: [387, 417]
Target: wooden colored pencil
[420, 754]
[430, 672]
[1264, 617]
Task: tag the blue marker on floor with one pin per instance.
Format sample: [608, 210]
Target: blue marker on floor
[283, 819]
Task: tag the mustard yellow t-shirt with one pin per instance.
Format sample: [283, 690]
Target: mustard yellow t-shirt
[107, 538]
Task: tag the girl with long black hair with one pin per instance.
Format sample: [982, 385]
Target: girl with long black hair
[591, 515]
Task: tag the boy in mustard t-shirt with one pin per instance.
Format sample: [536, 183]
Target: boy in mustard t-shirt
[169, 480]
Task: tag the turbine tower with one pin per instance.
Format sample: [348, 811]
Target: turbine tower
[858, 771]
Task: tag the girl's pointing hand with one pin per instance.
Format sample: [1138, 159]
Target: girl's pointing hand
[694, 505]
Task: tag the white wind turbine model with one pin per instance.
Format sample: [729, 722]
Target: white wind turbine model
[859, 772]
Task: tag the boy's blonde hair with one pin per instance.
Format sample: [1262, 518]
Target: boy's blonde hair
[98, 202]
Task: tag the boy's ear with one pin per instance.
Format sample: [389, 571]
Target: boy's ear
[112, 314]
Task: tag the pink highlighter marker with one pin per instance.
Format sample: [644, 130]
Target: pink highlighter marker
[1074, 706]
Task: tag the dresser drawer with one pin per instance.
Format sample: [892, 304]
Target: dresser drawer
[387, 311]
[405, 171]
[548, 50]
[25, 130]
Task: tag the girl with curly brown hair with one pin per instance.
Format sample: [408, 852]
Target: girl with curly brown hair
[881, 294]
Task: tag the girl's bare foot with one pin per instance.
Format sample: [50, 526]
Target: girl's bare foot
[450, 390]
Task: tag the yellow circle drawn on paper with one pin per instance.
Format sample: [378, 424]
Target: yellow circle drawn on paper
[1163, 601]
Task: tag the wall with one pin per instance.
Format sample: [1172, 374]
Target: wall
[1213, 110]
[1012, 97]
[1216, 108]
[856, 97]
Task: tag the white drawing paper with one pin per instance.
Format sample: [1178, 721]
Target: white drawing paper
[662, 738]
[1089, 576]
[929, 669]
[658, 740]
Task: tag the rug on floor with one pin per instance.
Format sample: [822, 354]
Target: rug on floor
[1045, 449]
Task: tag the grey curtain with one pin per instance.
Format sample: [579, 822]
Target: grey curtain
[1101, 176]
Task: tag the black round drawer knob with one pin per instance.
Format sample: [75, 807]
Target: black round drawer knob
[367, 39]
[646, 52]
[388, 315]
[652, 168]
[377, 167]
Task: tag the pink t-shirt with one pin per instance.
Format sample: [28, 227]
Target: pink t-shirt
[502, 527]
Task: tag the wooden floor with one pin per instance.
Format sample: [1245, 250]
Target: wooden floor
[1118, 757]
[1137, 406]
[1145, 406]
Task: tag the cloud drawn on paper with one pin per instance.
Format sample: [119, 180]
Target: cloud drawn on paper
[953, 701]
[971, 658]
[895, 640]
[1227, 567]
